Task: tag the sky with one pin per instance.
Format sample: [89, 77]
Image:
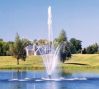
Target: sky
[79, 18]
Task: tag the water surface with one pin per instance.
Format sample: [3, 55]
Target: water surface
[35, 80]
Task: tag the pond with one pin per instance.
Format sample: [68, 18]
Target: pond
[37, 80]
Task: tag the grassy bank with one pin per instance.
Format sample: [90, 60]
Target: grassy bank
[78, 62]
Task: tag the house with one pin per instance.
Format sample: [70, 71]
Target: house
[39, 48]
[32, 50]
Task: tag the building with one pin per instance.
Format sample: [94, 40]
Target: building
[37, 49]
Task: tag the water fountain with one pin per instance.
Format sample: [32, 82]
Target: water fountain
[49, 53]
[50, 56]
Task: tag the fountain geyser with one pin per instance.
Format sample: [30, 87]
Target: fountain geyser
[48, 52]
[50, 33]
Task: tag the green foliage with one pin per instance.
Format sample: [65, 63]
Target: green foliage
[76, 45]
[65, 53]
[1, 48]
[18, 49]
[92, 49]
[1, 39]
[62, 37]
[72, 48]
[84, 51]
[5, 48]
[42, 42]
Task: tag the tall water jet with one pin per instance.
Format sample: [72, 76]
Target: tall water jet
[50, 32]
[48, 52]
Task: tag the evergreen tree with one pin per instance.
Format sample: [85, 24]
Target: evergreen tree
[18, 49]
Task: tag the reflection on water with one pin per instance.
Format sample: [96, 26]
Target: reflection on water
[92, 81]
[51, 85]
[18, 85]
[19, 74]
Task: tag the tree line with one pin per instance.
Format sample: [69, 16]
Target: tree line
[67, 47]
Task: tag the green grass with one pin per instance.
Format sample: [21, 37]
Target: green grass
[85, 59]
[32, 62]
[78, 62]
[82, 62]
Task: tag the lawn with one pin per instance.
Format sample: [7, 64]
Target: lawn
[82, 62]
[32, 62]
[77, 62]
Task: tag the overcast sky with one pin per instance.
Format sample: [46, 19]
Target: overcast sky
[79, 18]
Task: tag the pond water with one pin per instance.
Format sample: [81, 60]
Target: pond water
[37, 80]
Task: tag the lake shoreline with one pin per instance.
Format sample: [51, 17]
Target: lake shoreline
[63, 68]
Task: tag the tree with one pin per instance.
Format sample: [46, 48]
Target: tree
[18, 49]
[1, 48]
[1, 39]
[84, 51]
[4, 48]
[72, 48]
[92, 49]
[62, 36]
[65, 53]
[9, 45]
[76, 44]
[42, 42]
